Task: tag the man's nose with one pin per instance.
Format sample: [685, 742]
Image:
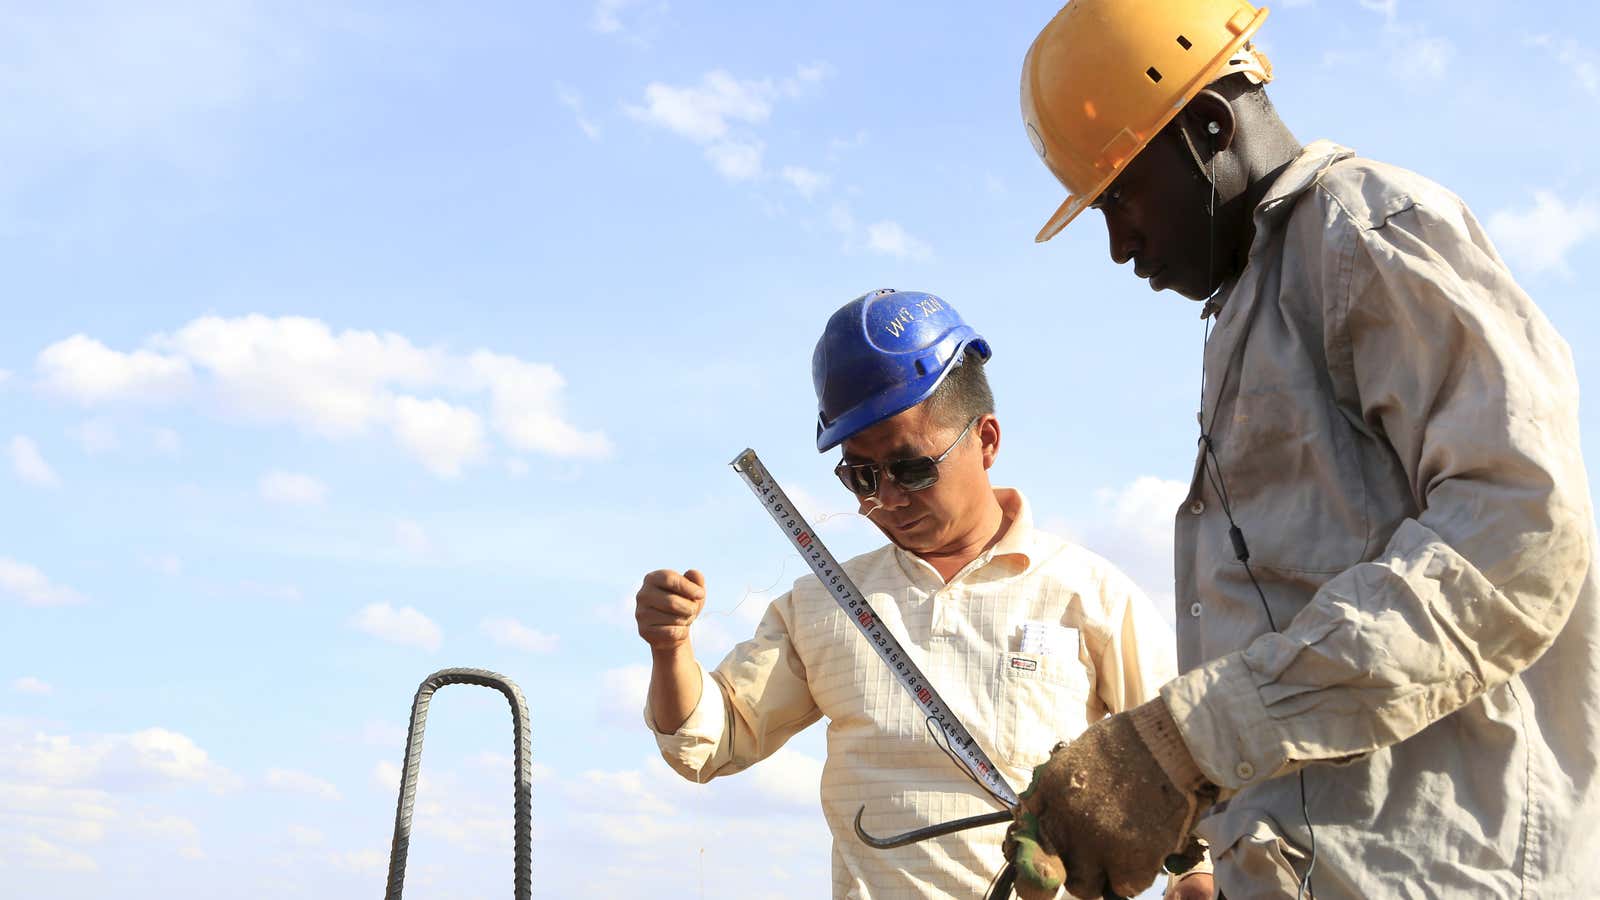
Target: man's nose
[1125, 243]
[891, 495]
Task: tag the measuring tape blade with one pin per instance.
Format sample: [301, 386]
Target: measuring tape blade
[855, 606]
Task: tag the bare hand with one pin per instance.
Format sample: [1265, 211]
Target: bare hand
[1199, 886]
[666, 605]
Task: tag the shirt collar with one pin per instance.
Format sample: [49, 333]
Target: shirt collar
[1299, 176]
[1296, 179]
[1017, 543]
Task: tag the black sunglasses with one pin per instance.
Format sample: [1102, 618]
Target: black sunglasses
[914, 474]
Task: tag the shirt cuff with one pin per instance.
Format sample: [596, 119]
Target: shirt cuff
[690, 747]
[1223, 721]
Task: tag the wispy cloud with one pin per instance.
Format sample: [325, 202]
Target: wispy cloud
[29, 464]
[292, 489]
[1539, 238]
[806, 181]
[572, 100]
[1132, 526]
[508, 632]
[296, 782]
[1579, 61]
[32, 586]
[404, 626]
[721, 113]
[339, 385]
[891, 239]
[32, 686]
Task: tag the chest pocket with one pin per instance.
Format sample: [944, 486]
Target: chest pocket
[1043, 698]
[1291, 469]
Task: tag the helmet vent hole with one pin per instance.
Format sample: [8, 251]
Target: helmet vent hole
[1154, 73]
[1184, 42]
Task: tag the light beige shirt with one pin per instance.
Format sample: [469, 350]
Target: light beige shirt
[1107, 650]
[1396, 425]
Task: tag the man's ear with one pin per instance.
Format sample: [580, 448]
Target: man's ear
[989, 436]
[1207, 108]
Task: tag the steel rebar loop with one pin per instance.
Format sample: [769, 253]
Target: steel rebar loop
[522, 775]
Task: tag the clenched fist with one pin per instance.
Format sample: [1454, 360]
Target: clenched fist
[666, 605]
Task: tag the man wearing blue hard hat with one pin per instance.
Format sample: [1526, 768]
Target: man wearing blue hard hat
[1016, 628]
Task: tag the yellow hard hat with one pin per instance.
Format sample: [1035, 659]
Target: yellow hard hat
[1104, 77]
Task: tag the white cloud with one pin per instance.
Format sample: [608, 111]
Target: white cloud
[1419, 56]
[292, 489]
[339, 385]
[405, 626]
[296, 782]
[1132, 527]
[32, 586]
[572, 100]
[736, 160]
[29, 464]
[1387, 8]
[789, 776]
[804, 180]
[305, 836]
[805, 77]
[47, 855]
[891, 239]
[412, 537]
[606, 19]
[83, 369]
[702, 112]
[149, 758]
[525, 407]
[443, 436]
[722, 113]
[1539, 239]
[517, 468]
[1577, 59]
[28, 684]
[509, 632]
[386, 776]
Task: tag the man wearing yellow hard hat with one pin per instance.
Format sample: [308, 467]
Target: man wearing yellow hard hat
[1386, 596]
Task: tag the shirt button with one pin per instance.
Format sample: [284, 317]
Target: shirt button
[1245, 771]
[1197, 507]
[1194, 610]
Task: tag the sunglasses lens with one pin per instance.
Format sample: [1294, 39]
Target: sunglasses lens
[859, 480]
[915, 474]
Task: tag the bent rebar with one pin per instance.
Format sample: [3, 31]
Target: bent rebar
[931, 831]
[522, 774]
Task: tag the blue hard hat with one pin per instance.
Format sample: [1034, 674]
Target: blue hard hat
[883, 353]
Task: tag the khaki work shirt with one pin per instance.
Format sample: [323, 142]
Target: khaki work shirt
[1106, 649]
[1396, 428]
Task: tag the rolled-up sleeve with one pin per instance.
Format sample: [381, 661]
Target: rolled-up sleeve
[750, 705]
[1451, 365]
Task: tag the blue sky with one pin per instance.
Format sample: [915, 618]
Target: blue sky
[349, 341]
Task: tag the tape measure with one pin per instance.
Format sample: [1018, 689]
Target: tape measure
[855, 606]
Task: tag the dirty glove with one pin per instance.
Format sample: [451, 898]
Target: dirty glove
[1107, 809]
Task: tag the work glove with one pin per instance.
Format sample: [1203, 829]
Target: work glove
[1106, 810]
